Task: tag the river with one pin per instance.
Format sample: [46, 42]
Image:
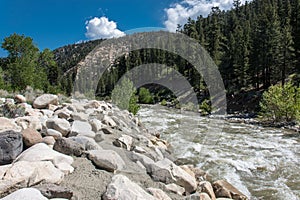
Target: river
[263, 163]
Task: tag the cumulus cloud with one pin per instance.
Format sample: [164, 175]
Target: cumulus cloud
[97, 28]
[178, 13]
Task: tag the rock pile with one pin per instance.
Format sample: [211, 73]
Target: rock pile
[89, 149]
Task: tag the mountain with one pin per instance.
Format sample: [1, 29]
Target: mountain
[255, 45]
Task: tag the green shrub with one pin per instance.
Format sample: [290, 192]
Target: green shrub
[281, 103]
[205, 107]
[124, 97]
[189, 106]
[163, 102]
[133, 106]
[145, 96]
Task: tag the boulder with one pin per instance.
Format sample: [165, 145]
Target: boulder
[99, 136]
[205, 196]
[31, 137]
[96, 125]
[49, 140]
[106, 159]
[80, 116]
[123, 188]
[81, 128]
[7, 124]
[20, 98]
[92, 104]
[32, 122]
[200, 175]
[124, 142]
[86, 142]
[60, 125]
[195, 196]
[161, 171]
[144, 160]
[54, 133]
[206, 187]
[184, 179]
[107, 130]
[109, 121]
[11, 145]
[63, 113]
[224, 189]
[68, 147]
[175, 188]
[54, 191]
[166, 171]
[46, 112]
[45, 100]
[76, 107]
[25, 194]
[41, 152]
[187, 168]
[158, 194]
[32, 173]
[139, 149]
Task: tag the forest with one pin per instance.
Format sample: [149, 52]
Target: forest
[255, 46]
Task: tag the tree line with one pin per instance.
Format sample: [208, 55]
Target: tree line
[255, 45]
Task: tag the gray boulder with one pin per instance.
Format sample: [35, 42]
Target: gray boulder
[109, 121]
[81, 128]
[33, 122]
[42, 152]
[106, 159]
[7, 124]
[68, 147]
[11, 145]
[54, 191]
[80, 116]
[107, 130]
[124, 189]
[175, 188]
[45, 100]
[125, 142]
[86, 142]
[60, 125]
[25, 194]
[144, 160]
[96, 125]
[54, 133]
[32, 173]
[224, 189]
[166, 171]
[158, 194]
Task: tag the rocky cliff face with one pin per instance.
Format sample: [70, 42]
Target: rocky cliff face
[88, 149]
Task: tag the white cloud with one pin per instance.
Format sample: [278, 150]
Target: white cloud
[97, 28]
[178, 13]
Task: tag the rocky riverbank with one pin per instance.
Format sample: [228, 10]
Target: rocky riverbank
[250, 119]
[88, 149]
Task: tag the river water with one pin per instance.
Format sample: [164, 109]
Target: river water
[263, 163]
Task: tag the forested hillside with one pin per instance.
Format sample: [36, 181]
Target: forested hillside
[255, 45]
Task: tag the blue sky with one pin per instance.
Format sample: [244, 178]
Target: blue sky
[54, 23]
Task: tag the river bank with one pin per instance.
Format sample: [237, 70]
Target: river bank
[246, 118]
[87, 149]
